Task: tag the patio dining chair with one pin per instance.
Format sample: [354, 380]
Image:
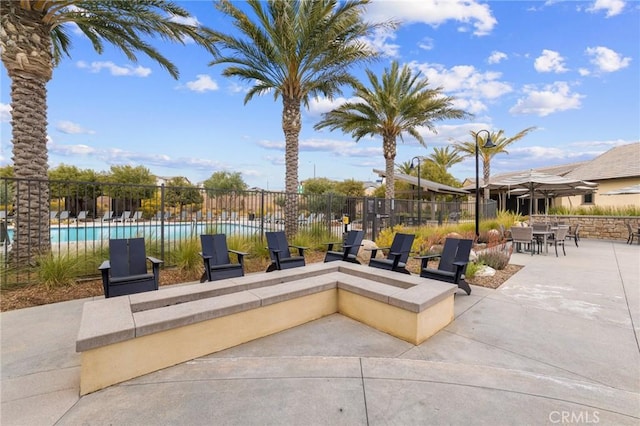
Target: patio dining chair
[523, 236]
[574, 234]
[559, 235]
[632, 234]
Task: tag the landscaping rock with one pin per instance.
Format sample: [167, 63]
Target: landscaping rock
[364, 254]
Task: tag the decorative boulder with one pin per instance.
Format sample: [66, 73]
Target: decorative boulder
[364, 254]
[485, 271]
[493, 234]
[454, 235]
[473, 256]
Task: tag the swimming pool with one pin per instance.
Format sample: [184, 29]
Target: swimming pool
[170, 231]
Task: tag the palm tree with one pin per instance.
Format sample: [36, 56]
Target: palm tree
[468, 148]
[405, 168]
[445, 157]
[398, 104]
[33, 40]
[296, 50]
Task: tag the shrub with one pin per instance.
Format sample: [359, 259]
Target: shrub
[472, 268]
[59, 270]
[186, 256]
[496, 259]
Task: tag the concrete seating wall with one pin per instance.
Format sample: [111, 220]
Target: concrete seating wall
[125, 337]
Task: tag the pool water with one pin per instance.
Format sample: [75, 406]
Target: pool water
[170, 231]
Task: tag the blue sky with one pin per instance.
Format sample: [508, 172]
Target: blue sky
[569, 68]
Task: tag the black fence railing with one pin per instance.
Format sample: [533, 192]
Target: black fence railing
[81, 217]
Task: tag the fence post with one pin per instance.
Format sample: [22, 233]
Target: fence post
[262, 214]
[162, 195]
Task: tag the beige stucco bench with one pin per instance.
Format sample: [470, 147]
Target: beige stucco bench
[125, 337]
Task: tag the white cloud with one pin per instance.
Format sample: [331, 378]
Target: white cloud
[116, 70]
[191, 21]
[472, 106]
[435, 13]
[552, 98]
[612, 7]
[119, 156]
[235, 87]
[319, 106]
[606, 59]
[5, 113]
[469, 86]
[72, 128]
[584, 72]
[276, 160]
[426, 43]
[339, 148]
[202, 83]
[496, 57]
[550, 61]
[379, 42]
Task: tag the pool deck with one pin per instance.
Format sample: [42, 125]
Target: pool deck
[558, 341]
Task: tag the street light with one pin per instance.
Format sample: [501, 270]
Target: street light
[419, 159]
[487, 144]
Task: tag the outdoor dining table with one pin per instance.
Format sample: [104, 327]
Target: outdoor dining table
[544, 235]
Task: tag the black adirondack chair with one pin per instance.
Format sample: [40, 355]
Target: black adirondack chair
[453, 262]
[217, 263]
[350, 248]
[126, 270]
[398, 255]
[281, 257]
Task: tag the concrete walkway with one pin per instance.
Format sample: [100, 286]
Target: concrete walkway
[556, 344]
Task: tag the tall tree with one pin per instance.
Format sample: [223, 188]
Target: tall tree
[296, 50]
[224, 186]
[445, 157]
[180, 192]
[400, 103]
[468, 148]
[33, 39]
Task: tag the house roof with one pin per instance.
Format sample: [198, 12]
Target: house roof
[619, 162]
[424, 183]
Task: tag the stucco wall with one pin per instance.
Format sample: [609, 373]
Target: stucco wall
[599, 227]
[601, 200]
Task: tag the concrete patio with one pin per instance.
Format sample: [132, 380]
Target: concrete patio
[557, 343]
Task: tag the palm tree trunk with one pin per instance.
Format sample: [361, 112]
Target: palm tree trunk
[27, 56]
[291, 125]
[486, 174]
[389, 152]
[29, 125]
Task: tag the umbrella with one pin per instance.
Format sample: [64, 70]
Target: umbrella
[542, 183]
[633, 189]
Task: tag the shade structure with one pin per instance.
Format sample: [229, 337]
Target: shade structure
[633, 189]
[538, 184]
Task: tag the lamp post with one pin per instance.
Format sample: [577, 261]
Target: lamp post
[488, 144]
[419, 187]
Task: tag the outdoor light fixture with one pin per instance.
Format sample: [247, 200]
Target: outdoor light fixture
[488, 144]
[412, 166]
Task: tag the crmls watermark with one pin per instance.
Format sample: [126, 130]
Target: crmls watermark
[574, 417]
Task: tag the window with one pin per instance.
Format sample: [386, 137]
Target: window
[587, 199]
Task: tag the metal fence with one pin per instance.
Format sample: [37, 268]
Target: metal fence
[85, 215]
